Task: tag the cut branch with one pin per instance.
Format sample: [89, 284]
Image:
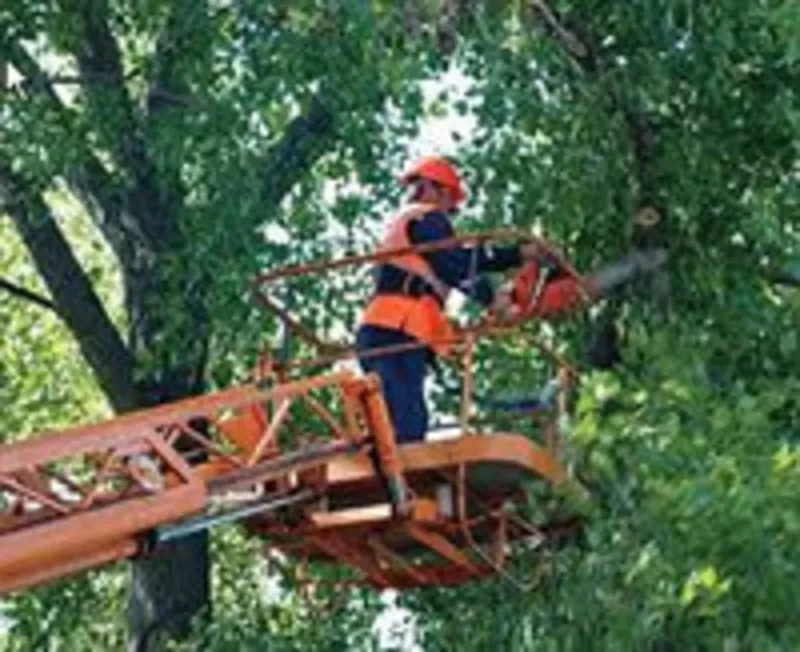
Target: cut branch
[27, 295]
[73, 295]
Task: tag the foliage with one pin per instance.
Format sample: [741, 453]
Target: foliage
[257, 607]
[272, 132]
[690, 539]
[43, 382]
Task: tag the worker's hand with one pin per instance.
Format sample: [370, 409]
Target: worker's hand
[536, 250]
[503, 307]
[531, 251]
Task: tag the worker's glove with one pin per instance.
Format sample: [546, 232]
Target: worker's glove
[547, 259]
[503, 308]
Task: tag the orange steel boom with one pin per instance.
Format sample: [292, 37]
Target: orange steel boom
[88, 496]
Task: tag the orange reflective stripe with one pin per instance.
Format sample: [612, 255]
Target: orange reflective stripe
[389, 311]
[421, 318]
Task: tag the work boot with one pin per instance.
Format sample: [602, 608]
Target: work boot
[630, 267]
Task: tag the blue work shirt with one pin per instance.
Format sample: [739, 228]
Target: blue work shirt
[460, 267]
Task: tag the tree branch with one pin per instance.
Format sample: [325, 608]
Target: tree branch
[90, 182]
[27, 295]
[788, 275]
[642, 129]
[572, 44]
[168, 89]
[305, 140]
[642, 135]
[73, 295]
[153, 203]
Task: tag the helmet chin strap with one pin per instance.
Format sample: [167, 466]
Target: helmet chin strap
[413, 193]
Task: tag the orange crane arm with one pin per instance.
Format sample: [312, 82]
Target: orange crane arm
[90, 495]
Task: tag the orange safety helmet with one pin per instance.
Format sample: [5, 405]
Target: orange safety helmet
[439, 170]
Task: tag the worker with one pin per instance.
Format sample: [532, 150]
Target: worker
[405, 316]
[406, 310]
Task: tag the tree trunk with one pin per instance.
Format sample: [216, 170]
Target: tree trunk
[169, 327]
[165, 286]
[168, 588]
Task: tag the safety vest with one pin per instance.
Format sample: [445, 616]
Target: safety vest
[422, 318]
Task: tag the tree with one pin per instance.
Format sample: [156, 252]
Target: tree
[183, 128]
[687, 449]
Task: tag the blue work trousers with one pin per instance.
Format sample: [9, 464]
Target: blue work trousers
[402, 375]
